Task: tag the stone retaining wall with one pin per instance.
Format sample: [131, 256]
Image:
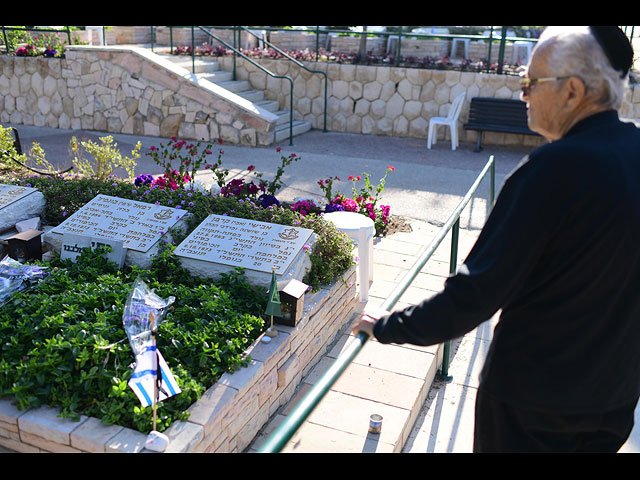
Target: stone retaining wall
[228, 416]
[393, 101]
[126, 90]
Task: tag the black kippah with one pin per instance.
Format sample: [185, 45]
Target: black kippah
[616, 46]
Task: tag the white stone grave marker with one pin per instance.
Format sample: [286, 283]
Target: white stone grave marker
[139, 225]
[19, 203]
[244, 243]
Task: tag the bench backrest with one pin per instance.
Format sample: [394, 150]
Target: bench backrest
[498, 111]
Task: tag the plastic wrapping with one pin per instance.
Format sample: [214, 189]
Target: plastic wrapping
[15, 276]
[143, 311]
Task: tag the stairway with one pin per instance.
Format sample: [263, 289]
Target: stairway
[210, 69]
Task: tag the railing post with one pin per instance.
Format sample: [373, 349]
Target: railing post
[6, 42]
[453, 261]
[492, 191]
[503, 41]
[193, 51]
[235, 47]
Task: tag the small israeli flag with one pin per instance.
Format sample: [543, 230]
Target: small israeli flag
[146, 374]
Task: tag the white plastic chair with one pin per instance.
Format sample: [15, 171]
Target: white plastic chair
[451, 120]
[517, 47]
[100, 34]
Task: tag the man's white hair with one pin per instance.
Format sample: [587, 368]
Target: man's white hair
[575, 51]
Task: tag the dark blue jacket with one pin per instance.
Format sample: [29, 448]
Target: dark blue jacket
[560, 255]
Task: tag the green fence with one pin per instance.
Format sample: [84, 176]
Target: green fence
[293, 421]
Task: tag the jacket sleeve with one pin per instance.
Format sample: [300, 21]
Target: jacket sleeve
[504, 254]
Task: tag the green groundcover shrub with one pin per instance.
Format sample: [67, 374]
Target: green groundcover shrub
[63, 343]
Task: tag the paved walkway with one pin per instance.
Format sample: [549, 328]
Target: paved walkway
[421, 413]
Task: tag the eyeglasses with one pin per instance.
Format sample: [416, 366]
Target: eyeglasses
[526, 83]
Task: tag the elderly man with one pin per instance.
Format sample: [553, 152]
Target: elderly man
[559, 256]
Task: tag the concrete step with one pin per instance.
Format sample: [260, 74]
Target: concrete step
[218, 76]
[299, 127]
[210, 69]
[268, 105]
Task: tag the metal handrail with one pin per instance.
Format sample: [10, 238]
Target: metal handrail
[238, 52]
[298, 63]
[293, 421]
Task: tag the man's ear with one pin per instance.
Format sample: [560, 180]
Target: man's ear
[576, 90]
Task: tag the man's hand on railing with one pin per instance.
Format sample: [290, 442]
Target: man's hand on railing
[367, 320]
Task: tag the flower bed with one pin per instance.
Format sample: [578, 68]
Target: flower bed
[67, 352]
[305, 55]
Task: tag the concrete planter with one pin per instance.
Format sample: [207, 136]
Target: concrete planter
[229, 414]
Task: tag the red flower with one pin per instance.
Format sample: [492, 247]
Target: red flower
[251, 168]
[389, 167]
[278, 149]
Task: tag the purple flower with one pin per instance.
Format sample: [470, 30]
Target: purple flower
[333, 207]
[266, 200]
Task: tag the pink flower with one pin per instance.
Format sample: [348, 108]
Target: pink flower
[278, 149]
[349, 205]
[389, 167]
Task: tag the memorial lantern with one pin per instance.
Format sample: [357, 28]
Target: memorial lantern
[25, 246]
[292, 302]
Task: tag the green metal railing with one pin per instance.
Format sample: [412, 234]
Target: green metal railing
[292, 422]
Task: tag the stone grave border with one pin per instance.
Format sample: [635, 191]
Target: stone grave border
[228, 416]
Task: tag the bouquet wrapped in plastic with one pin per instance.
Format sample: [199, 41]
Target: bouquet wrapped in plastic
[143, 312]
[15, 276]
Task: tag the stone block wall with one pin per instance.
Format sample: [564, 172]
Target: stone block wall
[126, 90]
[228, 416]
[393, 101]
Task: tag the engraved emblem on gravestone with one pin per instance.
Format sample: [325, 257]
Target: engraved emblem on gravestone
[288, 234]
[244, 243]
[11, 193]
[139, 225]
[164, 214]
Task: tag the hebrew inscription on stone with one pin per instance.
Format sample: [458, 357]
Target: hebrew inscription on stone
[139, 225]
[244, 243]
